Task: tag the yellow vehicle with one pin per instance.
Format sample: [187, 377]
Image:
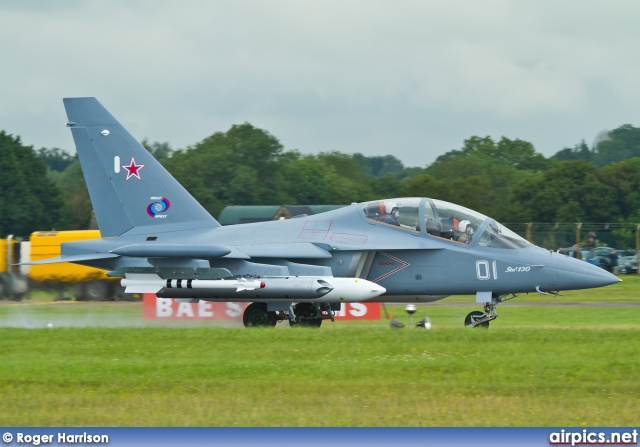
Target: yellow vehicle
[89, 283]
[13, 284]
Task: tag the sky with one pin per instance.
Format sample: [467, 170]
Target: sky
[413, 79]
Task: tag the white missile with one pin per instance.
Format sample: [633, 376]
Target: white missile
[351, 290]
[313, 288]
[151, 283]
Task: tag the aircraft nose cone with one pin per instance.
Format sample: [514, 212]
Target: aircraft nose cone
[606, 277]
[600, 277]
[577, 274]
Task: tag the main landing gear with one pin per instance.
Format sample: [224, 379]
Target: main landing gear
[306, 315]
[256, 315]
[481, 319]
[301, 314]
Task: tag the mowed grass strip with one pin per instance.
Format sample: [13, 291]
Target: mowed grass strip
[531, 368]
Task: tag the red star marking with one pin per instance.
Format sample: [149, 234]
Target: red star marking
[133, 170]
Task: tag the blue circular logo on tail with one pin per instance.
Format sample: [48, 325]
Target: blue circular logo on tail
[156, 208]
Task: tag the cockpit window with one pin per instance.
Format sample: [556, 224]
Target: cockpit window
[451, 221]
[499, 236]
[442, 219]
[402, 213]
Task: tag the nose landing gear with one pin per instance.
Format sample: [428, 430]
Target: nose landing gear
[477, 319]
[481, 319]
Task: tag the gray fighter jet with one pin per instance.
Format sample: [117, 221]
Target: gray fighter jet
[159, 239]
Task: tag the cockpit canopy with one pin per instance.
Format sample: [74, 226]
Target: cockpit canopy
[443, 220]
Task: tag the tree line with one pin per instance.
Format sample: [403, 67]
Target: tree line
[506, 179]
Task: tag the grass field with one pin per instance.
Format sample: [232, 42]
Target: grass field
[535, 366]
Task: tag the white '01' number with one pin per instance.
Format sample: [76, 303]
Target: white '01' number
[484, 272]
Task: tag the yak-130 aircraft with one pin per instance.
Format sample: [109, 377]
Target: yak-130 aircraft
[160, 240]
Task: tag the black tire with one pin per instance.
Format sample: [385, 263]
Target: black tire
[473, 316]
[306, 311]
[19, 286]
[4, 289]
[97, 291]
[117, 293]
[256, 315]
[79, 291]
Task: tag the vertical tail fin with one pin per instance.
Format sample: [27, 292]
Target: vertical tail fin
[128, 187]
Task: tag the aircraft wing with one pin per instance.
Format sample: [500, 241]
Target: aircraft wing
[72, 258]
[300, 250]
[248, 251]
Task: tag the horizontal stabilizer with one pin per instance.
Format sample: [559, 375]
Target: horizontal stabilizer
[72, 258]
[172, 251]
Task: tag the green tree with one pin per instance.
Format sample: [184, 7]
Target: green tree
[379, 166]
[78, 208]
[481, 174]
[387, 186]
[625, 237]
[517, 153]
[624, 178]
[622, 143]
[28, 198]
[425, 185]
[56, 159]
[569, 192]
[347, 168]
[160, 151]
[311, 181]
[578, 152]
[237, 167]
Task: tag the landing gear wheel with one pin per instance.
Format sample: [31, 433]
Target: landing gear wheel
[97, 291]
[117, 294]
[306, 316]
[256, 315]
[473, 317]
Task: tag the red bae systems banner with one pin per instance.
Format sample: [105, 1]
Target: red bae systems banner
[155, 308]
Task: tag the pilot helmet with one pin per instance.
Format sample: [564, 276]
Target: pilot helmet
[390, 206]
[462, 226]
